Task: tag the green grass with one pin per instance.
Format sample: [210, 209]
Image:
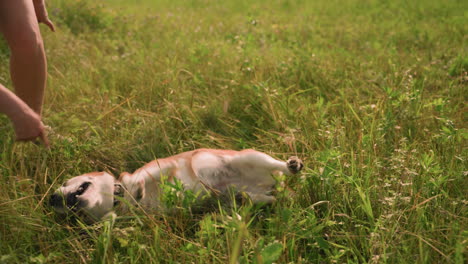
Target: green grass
[370, 94]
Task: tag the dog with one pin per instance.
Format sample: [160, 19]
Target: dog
[94, 195]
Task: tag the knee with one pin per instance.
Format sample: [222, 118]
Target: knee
[27, 43]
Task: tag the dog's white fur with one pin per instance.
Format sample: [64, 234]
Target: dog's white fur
[201, 170]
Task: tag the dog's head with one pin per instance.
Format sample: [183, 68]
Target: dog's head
[89, 196]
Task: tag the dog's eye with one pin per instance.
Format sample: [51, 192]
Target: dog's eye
[82, 188]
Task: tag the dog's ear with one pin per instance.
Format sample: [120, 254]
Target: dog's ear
[140, 193]
[118, 192]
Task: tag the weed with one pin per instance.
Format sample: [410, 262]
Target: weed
[370, 94]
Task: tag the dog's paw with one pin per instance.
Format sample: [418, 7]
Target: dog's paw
[295, 165]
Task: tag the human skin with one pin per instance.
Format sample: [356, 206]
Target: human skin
[28, 66]
[26, 122]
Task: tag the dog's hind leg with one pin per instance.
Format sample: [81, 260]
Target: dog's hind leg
[257, 159]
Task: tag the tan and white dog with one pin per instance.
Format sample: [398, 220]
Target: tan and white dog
[92, 195]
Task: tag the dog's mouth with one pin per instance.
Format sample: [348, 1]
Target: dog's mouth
[68, 203]
[70, 208]
[73, 206]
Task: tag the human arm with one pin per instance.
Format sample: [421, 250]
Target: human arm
[26, 122]
[41, 13]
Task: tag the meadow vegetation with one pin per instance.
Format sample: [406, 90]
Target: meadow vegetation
[370, 94]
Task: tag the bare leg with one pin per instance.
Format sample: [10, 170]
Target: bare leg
[18, 23]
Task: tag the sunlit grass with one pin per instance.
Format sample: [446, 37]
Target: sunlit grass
[370, 94]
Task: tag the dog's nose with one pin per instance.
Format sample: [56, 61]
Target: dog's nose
[56, 200]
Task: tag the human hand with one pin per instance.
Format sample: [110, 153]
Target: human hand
[42, 15]
[29, 127]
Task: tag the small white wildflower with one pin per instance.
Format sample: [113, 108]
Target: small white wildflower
[405, 183]
[387, 216]
[389, 200]
[406, 199]
[238, 217]
[375, 258]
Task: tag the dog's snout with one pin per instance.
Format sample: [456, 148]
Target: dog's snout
[72, 201]
[56, 200]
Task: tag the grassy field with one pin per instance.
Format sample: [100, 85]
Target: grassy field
[370, 94]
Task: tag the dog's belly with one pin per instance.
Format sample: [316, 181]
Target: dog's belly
[220, 178]
[252, 180]
[207, 170]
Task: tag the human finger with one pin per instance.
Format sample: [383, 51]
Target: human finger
[25, 139]
[50, 24]
[36, 139]
[45, 140]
